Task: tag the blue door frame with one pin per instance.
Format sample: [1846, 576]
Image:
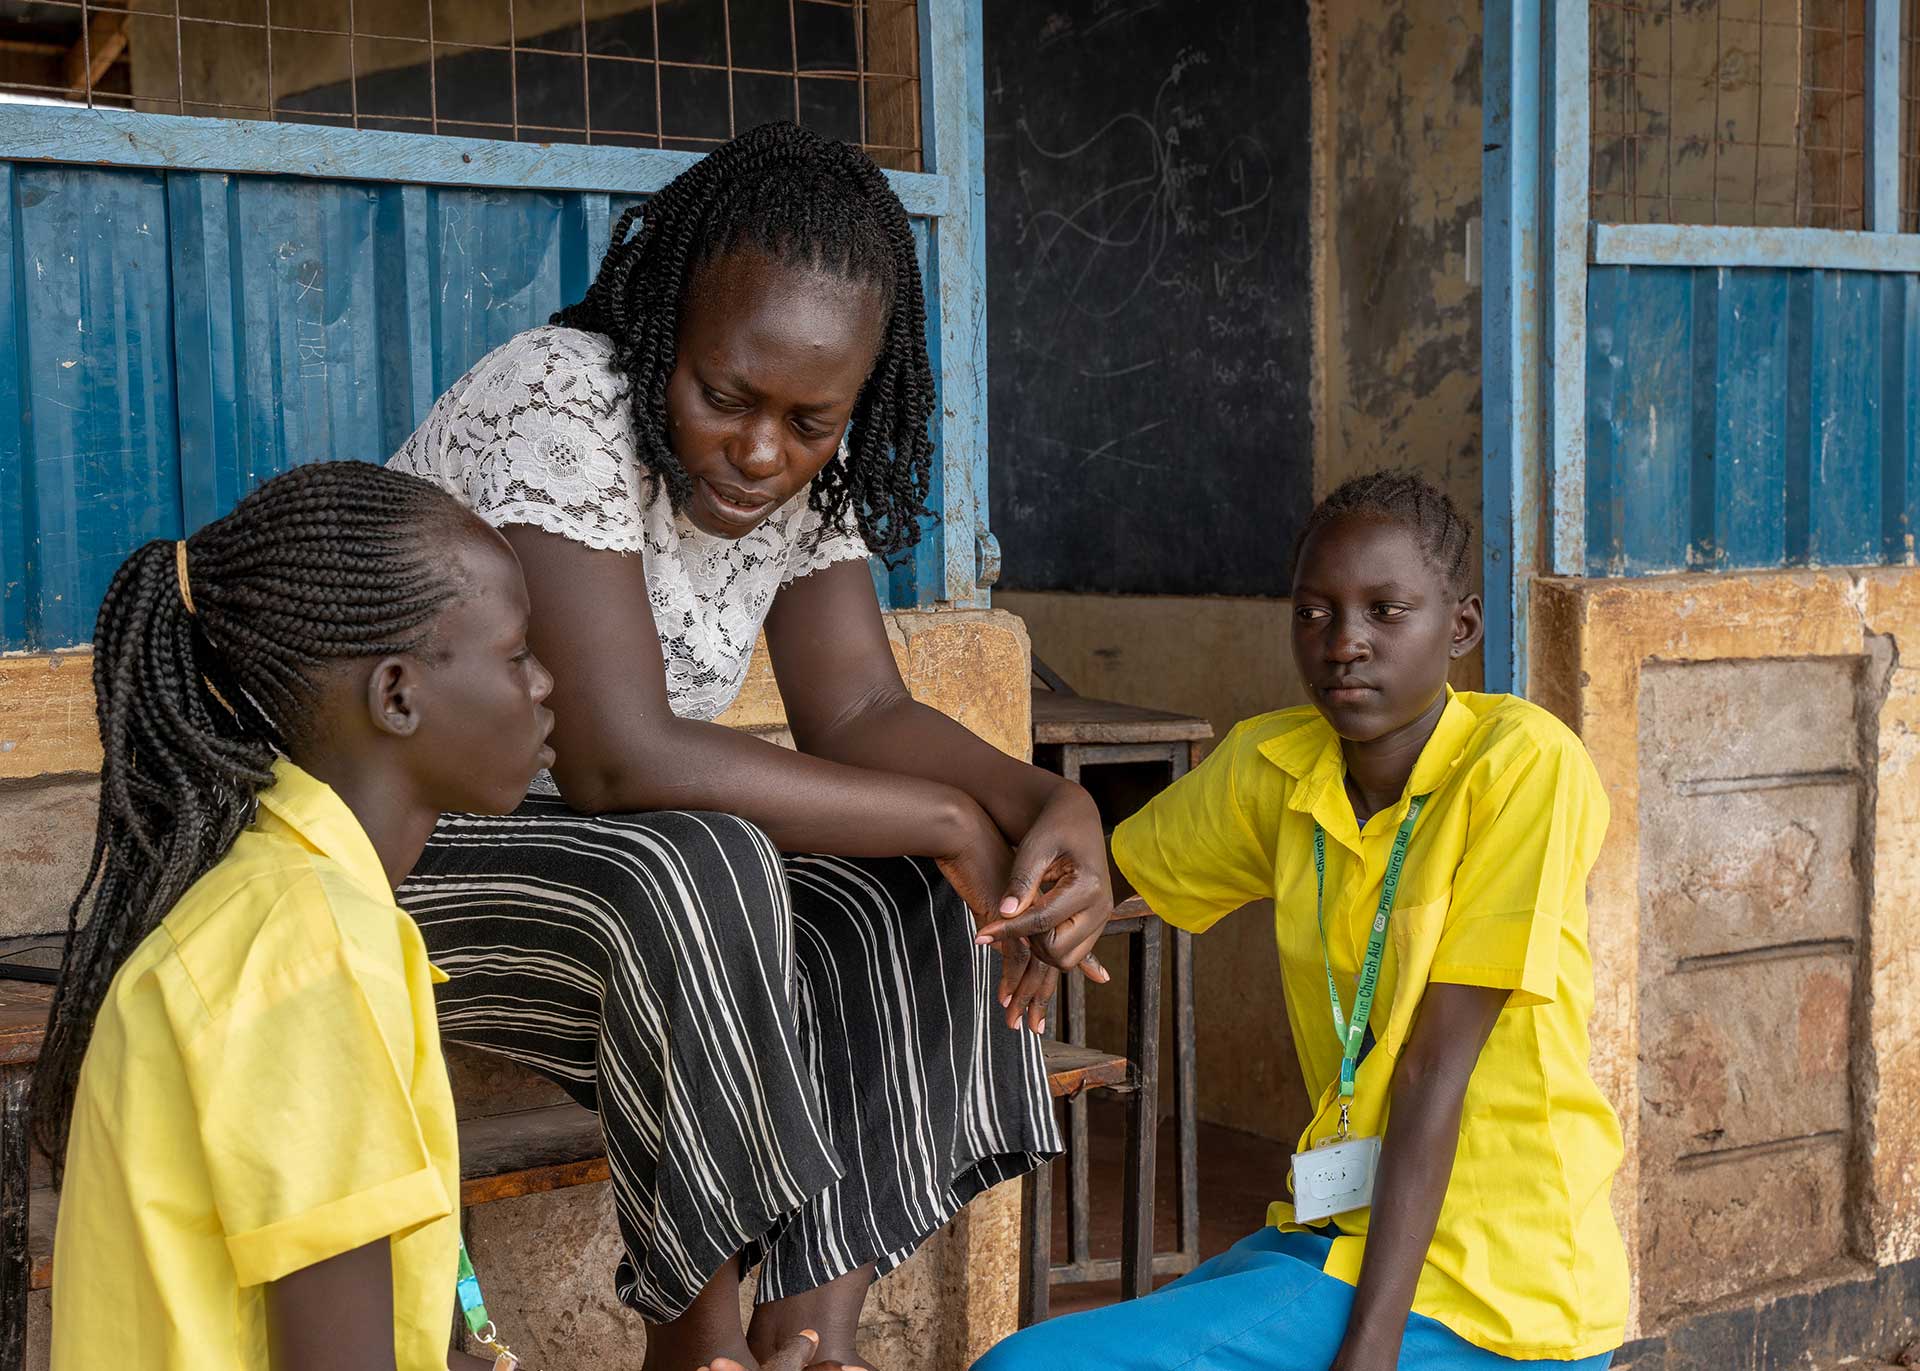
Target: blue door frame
[195, 304]
[1673, 397]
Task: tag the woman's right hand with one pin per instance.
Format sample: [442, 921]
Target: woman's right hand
[977, 863]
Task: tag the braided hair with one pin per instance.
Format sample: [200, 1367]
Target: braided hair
[805, 201]
[208, 656]
[1443, 533]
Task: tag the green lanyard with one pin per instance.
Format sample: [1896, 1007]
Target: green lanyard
[1352, 1033]
[473, 1308]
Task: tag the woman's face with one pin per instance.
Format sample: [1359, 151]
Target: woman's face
[771, 359]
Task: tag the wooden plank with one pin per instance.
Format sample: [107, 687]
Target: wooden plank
[43, 1207]
[1844, 433]
[109, 137]
[15, 1265]
[537, 1180]
[1703, 245]
[527, 1139]
[1749, 449]
[93, 56]
[1882, 170]
[46, 715]
[24, 1006]
[1072, 1070]
[1076, 719]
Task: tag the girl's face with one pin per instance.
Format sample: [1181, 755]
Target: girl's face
[771, 359]
[1375, 625]
[484, 725]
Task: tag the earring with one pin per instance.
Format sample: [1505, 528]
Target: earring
[845, 434]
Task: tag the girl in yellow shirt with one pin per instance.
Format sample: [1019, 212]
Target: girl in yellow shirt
[1427, 855]
[243, 1075]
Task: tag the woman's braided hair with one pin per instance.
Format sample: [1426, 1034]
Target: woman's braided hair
[805, 201]
[1443, 533]
[201, 680]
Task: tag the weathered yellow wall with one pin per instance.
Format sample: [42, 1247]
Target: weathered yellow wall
[1593, 645]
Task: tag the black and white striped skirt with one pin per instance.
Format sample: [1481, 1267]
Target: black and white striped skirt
[798, 1059]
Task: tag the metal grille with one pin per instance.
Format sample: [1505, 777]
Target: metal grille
[1746, 112]
[684, 74]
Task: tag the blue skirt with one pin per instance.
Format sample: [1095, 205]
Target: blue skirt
[1265, 1305]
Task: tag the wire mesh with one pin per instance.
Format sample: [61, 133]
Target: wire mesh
[1743, 112]
[685, 74]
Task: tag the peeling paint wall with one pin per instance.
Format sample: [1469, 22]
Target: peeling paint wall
[1398, 172]
[1756, 958]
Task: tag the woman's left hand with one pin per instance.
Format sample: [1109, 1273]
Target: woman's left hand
[1058, 895]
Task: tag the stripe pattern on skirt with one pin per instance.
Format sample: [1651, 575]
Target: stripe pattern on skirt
[799, 1059]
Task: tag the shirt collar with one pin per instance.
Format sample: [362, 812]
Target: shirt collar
[308, 808]
[1311, 755]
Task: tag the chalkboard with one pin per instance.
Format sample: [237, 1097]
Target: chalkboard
[1148, 295]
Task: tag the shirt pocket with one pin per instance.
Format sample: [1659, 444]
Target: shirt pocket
[1413, 935]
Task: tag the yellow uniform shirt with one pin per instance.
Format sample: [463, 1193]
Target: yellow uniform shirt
[1526, 1260]
[264, 1090]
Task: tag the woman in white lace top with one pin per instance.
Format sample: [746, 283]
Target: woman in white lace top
[803, 1061]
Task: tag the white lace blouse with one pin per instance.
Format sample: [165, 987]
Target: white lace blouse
[539, 433]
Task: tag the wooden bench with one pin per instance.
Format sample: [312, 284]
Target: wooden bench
[502, 1156]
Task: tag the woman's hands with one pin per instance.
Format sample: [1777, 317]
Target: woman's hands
[1059, 894]
[1039, 905]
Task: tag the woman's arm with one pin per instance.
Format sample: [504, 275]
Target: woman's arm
[846, 703]
[621, 749]
[337, 1315]
[1416, 1161]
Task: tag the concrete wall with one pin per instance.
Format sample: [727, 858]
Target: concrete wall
[1756, 956]
[548, 1258]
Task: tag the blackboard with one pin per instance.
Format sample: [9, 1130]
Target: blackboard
[1148, 294]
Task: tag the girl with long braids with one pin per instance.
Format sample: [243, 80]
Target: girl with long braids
[712, 442]
[242, 1075]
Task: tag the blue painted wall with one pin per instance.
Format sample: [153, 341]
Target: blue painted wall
[1743, 417]
[178, 337]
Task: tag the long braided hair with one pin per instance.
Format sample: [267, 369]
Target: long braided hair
[207, 658]
[805, 201]
[1442, 531]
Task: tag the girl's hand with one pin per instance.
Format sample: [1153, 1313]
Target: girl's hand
[1058, 893]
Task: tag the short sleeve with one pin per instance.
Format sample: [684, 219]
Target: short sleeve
[1204, 846]
[540, 433]
[313, 1147]
[1525, 867]
[814, 544]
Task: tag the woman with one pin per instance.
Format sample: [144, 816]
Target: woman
[795, 1058]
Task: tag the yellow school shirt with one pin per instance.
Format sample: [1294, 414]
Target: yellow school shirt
[264, 1090]
[1526, 1260]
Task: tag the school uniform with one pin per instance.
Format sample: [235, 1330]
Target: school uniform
[1526, 1262]
[264, 1090]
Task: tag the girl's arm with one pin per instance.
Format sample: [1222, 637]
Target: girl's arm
[337, 1315]
[1416, 1161]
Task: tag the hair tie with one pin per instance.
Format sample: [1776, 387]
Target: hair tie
[180, 571]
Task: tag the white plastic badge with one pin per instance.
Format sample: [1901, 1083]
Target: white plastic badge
[1334, 1178]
